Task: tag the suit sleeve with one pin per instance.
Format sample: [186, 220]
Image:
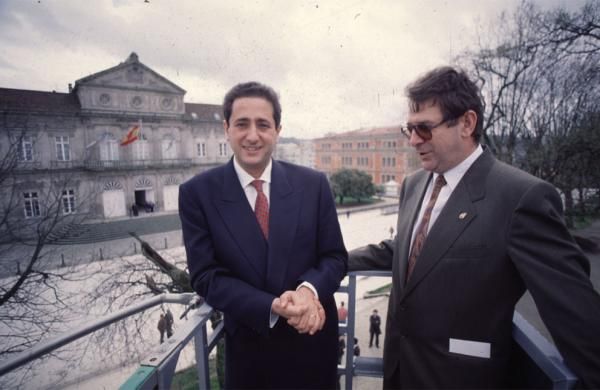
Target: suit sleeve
[376, 256]
[555, 272]
[372, 257]
[223, 291]
[332, 257]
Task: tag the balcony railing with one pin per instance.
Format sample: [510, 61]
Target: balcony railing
[28, 165]
[71, 164]
[536, 363]
[102, 165]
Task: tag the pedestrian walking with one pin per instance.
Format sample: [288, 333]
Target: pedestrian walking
[374, 328]
[169, 322]
[341, 348]
[356, 347]
[342, 313]
[162, 326]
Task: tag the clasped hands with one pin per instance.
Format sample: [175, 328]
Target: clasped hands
[302, 310]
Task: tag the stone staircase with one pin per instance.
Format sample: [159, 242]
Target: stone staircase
[107, 231]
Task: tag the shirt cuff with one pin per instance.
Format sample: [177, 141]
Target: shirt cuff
[273, 317]
[310, 286]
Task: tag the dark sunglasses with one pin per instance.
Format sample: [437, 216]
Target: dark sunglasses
[423, 130]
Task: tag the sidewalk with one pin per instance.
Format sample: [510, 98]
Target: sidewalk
[95, 231]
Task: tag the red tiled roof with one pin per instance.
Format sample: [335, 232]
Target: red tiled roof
[373, 131]
[20, 99]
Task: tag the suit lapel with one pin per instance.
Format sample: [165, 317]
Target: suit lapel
[456, 215]
[284, 211]
[241, 222]
[447, 228]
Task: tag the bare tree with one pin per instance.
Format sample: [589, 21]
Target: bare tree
[571, 33]
[31, 302]
[501, 63]
[539, 76]
[40, 296]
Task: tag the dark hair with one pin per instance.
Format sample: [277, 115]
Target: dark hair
[452, 90]
[252, 89]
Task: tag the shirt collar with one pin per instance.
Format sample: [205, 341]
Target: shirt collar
[245, 178]
[454, 175]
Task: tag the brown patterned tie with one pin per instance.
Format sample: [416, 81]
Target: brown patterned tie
[421, 233]
[261, 208]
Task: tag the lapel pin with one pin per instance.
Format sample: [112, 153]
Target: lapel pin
[462, 215]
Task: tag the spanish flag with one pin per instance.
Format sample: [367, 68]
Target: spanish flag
[133, 134]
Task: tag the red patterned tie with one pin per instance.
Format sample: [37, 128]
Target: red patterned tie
[421, 232]
[261, 208]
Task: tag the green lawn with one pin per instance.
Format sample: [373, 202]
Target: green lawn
[351, 202]
[188, 378]
[581, 222]
[381, 290]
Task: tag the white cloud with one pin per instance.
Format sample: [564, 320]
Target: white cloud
[338, 65]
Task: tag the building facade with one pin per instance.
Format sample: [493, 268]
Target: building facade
[296, 151]
[382, 152]
[70, 144]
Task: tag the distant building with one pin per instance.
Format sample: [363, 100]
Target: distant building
[300, 152]
[382, 152]
[79, 134]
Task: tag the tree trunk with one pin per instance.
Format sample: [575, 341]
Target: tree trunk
[568, 208]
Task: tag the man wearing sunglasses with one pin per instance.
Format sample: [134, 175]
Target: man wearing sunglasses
[473, 235]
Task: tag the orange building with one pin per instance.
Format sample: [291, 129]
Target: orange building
[382, 152]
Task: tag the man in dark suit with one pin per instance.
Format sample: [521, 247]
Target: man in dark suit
[374, 328]
[264, 245]
[473, 234]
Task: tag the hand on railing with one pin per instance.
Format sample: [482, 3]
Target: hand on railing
[302, 309]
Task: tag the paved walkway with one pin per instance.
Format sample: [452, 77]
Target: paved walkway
[152, 223]
[100, 240]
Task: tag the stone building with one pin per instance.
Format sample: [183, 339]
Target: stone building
[296, 151]
[70, 144]
[382, 152]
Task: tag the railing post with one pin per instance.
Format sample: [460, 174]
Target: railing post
[200, 346]
[350, 326]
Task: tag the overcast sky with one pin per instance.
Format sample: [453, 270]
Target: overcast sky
[337, 65]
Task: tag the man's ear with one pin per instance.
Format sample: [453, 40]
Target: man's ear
[469, 123]
[226, 129]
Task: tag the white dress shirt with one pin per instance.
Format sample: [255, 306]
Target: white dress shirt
[453, 177]
[246, 179]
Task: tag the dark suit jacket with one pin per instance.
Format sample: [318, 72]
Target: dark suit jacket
[240, 273]
[500, 232]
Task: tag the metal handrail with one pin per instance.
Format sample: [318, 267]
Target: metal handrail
[158, 368]
[48, 346]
